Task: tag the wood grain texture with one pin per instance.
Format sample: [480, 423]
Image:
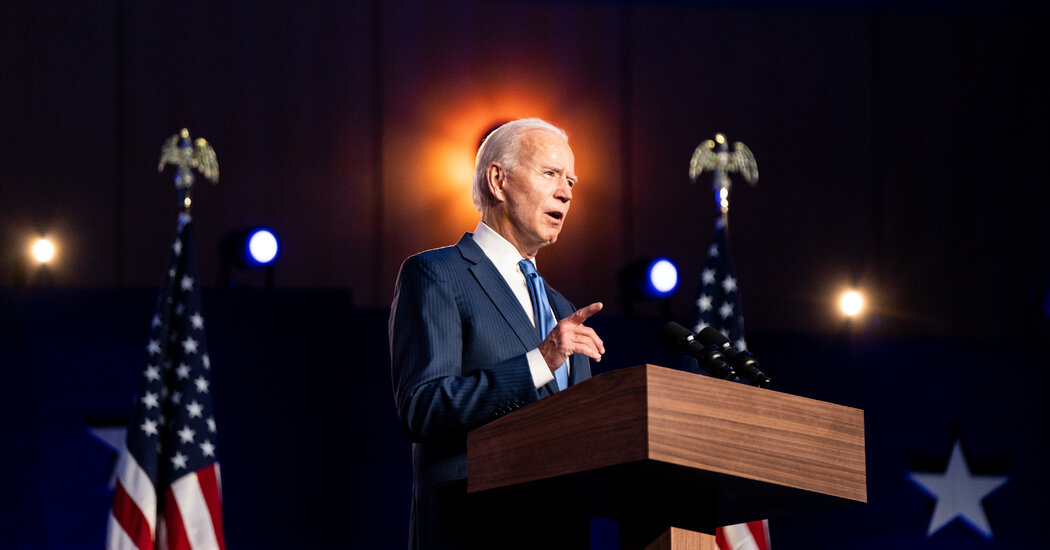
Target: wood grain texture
[663, 448]
[753, 433]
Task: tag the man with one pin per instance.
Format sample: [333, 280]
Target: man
[464, 341]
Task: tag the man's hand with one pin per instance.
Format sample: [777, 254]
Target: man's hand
[570, 336]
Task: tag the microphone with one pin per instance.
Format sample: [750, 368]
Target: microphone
[710, 357]
[743, 361]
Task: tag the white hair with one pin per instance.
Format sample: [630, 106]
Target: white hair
[503, 146]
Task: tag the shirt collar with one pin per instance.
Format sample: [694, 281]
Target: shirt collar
[498, 249]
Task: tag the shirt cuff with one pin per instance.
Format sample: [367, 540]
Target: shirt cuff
[541, 373]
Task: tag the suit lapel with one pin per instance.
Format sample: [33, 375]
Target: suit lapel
[492, 282]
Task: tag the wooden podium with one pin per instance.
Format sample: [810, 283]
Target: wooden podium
[672, 455]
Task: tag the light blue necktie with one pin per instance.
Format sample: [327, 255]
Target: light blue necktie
[541, 308]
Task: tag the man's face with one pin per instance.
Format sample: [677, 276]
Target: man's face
[537, 193]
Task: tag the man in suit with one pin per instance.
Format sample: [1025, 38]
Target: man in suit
[464, 343]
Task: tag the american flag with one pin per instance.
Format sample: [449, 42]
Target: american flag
[718, 306]
[168, 492]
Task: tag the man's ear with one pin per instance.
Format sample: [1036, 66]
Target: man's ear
[495, 177]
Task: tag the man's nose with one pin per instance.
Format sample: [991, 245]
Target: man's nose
[564, 190]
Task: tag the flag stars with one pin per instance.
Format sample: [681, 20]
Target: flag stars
[197, 321]
[186, 434]
[202, 384]
[189, 345]
[708, 276]
[152, 373]
[207, 361]
[704, 303]
[151, 400]
[211, 424]
[729, 284]
[726, 310]
[187, 282]
[207, 448]
[177, 247]
[149, 427]
[153, 347]
[183, 371]
[179, 461]
[195, 409]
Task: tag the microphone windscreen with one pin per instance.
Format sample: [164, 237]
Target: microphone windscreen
[676, 336]
[708, 336]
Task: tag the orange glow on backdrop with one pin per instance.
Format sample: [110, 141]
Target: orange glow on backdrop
[458, 117]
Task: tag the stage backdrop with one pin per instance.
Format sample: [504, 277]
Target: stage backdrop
[312, 455]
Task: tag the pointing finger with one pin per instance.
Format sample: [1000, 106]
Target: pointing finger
[582, 314]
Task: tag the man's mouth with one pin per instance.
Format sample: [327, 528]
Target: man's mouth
[556, 215]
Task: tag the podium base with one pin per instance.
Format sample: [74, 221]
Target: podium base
[683, 539]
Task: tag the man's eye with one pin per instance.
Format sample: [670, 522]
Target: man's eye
[549, 173]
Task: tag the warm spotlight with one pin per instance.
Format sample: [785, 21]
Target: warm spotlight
[851, 303]
[43, 250]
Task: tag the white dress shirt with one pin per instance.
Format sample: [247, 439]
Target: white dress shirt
[506, 257]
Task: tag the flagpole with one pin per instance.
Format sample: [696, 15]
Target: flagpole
[718, 303]
[168, 491]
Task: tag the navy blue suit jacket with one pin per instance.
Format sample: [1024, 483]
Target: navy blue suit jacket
[458, 339]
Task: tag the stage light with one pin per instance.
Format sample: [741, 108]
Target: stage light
[648, 285]
[43, 250]
[262, 246]
[662, 278]
[851, 303]
[247, 250]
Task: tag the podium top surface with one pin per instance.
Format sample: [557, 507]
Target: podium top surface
[648, 429]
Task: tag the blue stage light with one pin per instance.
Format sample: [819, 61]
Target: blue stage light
[661, 278]
[262, 246]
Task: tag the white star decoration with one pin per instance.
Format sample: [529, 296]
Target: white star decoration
[189, 346]
[197, 321]
[704, 302]
[187, 282]
[959, 494]
[179, 460]
[207, 448]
